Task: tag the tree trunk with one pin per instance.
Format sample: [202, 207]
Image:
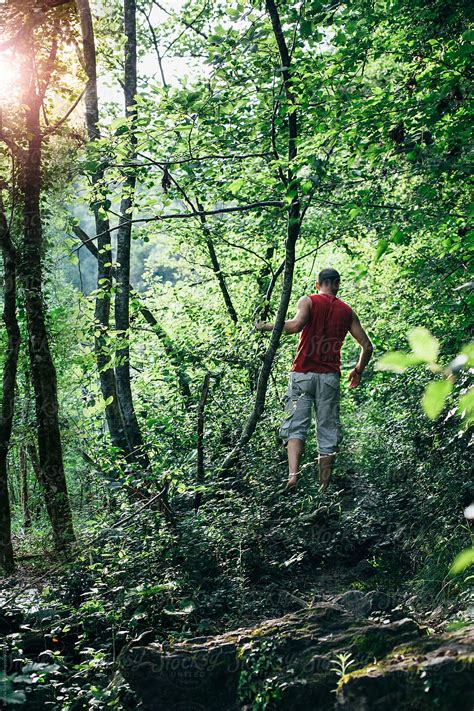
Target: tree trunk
[215, 264]
[174, 354]
[25, 504]
[122, 297]
[200, 439]
[293, 230]
[33, 455]
[108, 384]
[9, 379]
[42, 367]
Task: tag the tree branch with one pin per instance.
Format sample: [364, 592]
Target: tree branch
[196, 159]
[186, 215]
[52, 129]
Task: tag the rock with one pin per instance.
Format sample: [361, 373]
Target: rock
[365, 569]
[363, 604]
[46, 616]
[143, 638]
[437, 673]
[204, 672]
[296, 652]
[10, 620]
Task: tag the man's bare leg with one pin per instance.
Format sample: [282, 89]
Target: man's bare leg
[326, 463]
[295, 450]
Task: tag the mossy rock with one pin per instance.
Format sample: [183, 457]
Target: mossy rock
[289, 662]
[436, 673]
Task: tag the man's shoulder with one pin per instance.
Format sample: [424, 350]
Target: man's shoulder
[305, 300]
[345, 304]
[345, 307]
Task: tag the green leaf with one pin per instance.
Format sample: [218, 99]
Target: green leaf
[236, 185]
[468, 351]
[119, 126]
[424, 345]
[466, 407]
[435, 396]
[185, 607]
[381, 249]
[396, 361]
[90, 166]
[462, 561]
[397, 236]
[306, 28]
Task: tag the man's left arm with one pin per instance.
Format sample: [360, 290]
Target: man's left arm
[295, 324]
[367, 348]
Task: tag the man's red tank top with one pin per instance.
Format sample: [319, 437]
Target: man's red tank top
[319, 349]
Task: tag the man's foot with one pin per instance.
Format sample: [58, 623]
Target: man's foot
[326, 462]
[290, 484]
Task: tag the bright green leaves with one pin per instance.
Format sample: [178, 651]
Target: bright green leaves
[466, 407]
[381, 249]
[236, 185]
[424, 349]
[462, 561]
[101, 206]
[467, 354]
[435, 396]
[353, 213]
[424, 346]
[120, 126]
[99, 407]
[235, 12]
[396, 236]
[396, 362]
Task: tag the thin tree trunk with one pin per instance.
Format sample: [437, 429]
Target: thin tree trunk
[215, 264]
[124, 234]
[205, 227]
[173, 353]
[42, 367]
[293, 230]
[25, 504]
[33, 455]
[108, 384]
[200, 439]
[9, 378]
[198, 210]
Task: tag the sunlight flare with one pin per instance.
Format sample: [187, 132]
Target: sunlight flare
[9, 78]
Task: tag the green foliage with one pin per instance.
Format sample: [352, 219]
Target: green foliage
[434, 397]
[462, 561]
[256, 684]
[425, 349]
[342, 662]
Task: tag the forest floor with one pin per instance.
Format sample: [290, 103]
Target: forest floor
[291, 554]
[319, 521]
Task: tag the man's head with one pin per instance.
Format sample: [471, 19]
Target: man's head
[328, 281]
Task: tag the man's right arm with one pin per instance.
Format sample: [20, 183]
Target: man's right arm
[367, 348]
[295, 324]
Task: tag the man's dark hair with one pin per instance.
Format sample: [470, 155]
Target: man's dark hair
[328, 275]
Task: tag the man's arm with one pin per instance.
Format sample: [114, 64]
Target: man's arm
[367, 348]
[295, 324]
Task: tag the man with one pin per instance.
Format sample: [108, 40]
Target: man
[324, 321]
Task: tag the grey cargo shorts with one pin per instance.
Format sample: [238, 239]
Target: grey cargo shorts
[305, 390]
